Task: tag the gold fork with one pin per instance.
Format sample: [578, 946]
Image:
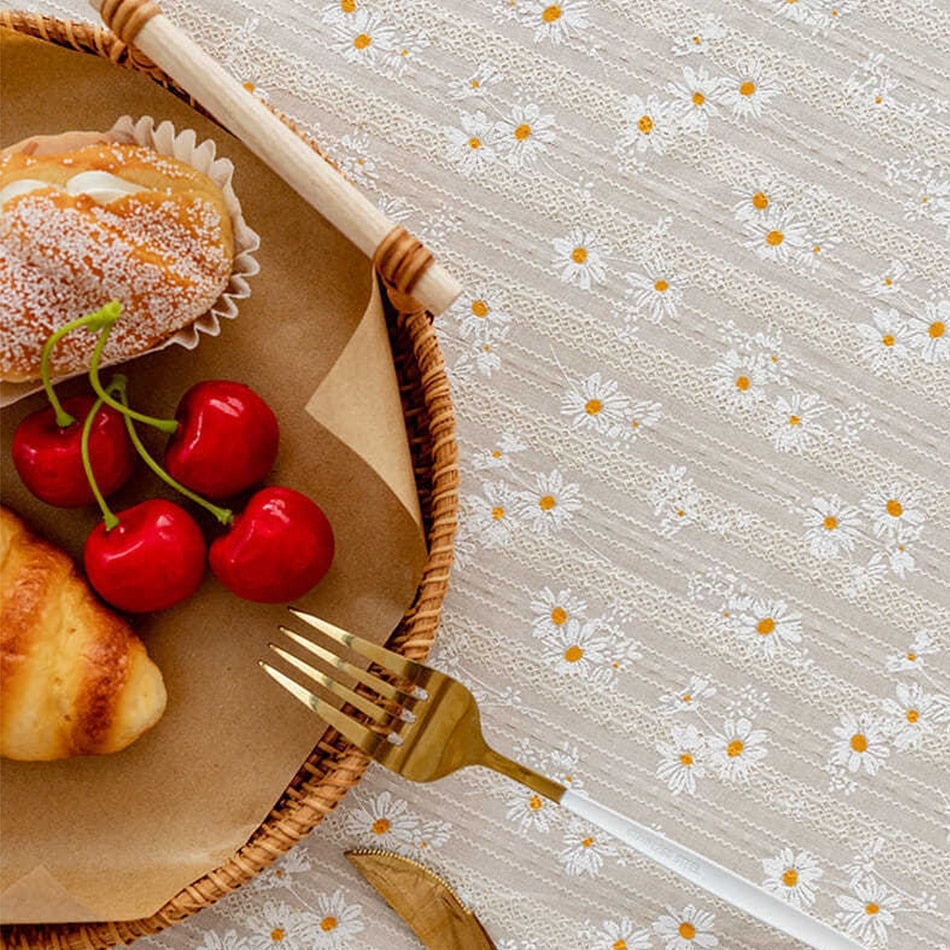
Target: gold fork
[429, 727]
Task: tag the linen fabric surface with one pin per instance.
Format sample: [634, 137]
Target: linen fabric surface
[701, 368]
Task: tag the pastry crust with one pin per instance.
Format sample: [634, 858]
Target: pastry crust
[74, 678]
[165, 252]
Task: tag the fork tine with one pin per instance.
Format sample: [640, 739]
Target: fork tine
[353, 731]
[384, 689]
[362, 703]
[386, 658]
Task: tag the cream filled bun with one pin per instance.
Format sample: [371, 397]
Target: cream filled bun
[84, 221]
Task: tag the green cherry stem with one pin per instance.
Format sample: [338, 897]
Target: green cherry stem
[104, 316]
[117, 385]
[165, 425]
[224, 515]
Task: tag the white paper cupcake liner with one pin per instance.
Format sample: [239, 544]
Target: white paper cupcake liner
[201, 156]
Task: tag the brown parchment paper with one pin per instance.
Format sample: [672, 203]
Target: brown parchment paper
[113, 837]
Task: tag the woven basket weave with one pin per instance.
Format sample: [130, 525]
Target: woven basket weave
[334, 766]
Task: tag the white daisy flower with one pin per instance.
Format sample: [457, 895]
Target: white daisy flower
[356, 162]
[649, 126]
[339, 922]
[868, 577]
[815, 246]
[776, 236]
[758, 194]
[620, 935]
[736, 751]
[395, 208]
[640, 416]
[479, 311]
[897, 512]
[229, 940]
[794, 421]
[798, 11]
[656, 290]
[494, 513]
[831, 526]
[738, 380]
[383, 821]
[582, 650]
[550, 504]
[886, 341]
[682, 759]
[337, 11]
[748, 90]
[471, 146]
[929, 335]
[482, 355]
[686, 929]
[484, 77]
[595, 405]
[585, 849]
[770, 626]
[697, 40]
[900, 561]
[688, 698]
[562, 765]
[868, 912]
[499, 455]
[923, 645]
[694, 99]
[554, 22]
[553, 610]
[278, 923]
[861, 744]
[889, 282]
[528, 811]
[793, 877]
[914, 715]
[675, 500]
[581, 258]
[524, 135]
[362, 38]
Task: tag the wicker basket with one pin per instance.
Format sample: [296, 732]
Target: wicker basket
[334, 766]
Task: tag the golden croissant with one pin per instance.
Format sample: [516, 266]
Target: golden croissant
[74, 678]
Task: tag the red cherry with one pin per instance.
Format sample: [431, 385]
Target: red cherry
[152, 559]
[226, 439]
[279, 547]
[48, 459]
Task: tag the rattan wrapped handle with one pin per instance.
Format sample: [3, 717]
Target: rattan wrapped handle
[412, 270]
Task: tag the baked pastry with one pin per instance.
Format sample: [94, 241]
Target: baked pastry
[84, 221]
[74, 678]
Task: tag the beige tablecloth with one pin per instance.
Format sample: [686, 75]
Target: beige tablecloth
[702, 373]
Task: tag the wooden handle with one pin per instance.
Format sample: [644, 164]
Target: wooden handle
[278, 146]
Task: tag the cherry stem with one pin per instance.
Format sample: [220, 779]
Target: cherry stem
[165, 425]
[224, 515]
[104, 316]
[116, 385]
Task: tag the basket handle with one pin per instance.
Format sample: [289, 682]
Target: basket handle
[320, 185]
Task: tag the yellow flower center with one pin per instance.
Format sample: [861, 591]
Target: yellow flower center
[498, 513]
[474, 142]
[888, 339]
[551, 13]
[760, 201]
[697, 40]
[747, 88]
[362, 41]
[687, 930]
[645, 124]
[535, 803]
[894, 508]
[911, 657]
[871, 909]
[593, 406]
[559, 616]
[277, 934]
[619, 945]
[480, 308]
[937, 330]
[794, 420]
[734, 748]
[348, 6]
[661, 286]
[913, 715]
[579, 255]
[522, 132]
[328, 924]
[686, 759]
[573, 654]
[888, 281]
[698, 98]
[743, 383]
[859, 743]
[766, 626]
[774, 238]
[587, 842]
[249, 86]
[547, 502]
[380, 826]
[687, 698]
[790, 877]
[830, 523]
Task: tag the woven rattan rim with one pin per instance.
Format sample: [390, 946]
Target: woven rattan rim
[334, 766]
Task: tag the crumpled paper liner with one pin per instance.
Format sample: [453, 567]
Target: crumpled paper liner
[184, 146]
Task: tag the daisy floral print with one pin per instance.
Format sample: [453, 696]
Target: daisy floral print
[699, 374]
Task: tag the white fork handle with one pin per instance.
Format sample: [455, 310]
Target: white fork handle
[707, 874]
